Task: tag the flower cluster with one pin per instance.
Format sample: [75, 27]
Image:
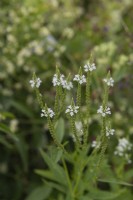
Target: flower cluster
[104, 112]
[57, 81]
[72, 110]
[122, 148]
[109, 81]
[89, 67]
[80, 78]
[47, 113]
[35, 83]
[109, 131]
[67, 85]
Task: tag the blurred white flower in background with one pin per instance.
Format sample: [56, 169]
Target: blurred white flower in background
[109, 81]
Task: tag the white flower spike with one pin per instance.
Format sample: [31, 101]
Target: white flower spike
[58, 80]
[104, 112]
[89, 67]
[109, 81]
[109, 132]
[123, 148]
[67, 85]
[47, 113]
[80, 79]
[35, 83]
[72, 110]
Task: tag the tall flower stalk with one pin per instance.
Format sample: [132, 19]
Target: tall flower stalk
[78, 119]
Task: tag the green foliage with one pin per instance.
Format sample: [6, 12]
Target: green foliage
[83, 175]
[35, 36]
[40, 193]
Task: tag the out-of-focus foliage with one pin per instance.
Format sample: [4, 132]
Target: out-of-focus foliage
[37, 36]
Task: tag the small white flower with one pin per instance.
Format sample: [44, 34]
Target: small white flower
[32, 82]
[80, 79]
[47, 113]
[123, 148]
[89, 67]
[104, 112]
[58, 80]
[35, 83]
[72, 110]
[109, 81]
[67, 85]
[109, 132]
[95, 144]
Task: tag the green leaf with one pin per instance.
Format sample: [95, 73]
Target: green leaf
[85, 198]
[56, 186]
[4, 142]
[22, 108]
[56, 169]
[97, 194]
[48, 175]
[55, 153]
[40, 193]
[20, 144]
[117, 182]
[60, 129]
[7, 115]
[6, 130]
[128, 174]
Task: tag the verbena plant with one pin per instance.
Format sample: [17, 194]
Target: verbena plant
[74, 167]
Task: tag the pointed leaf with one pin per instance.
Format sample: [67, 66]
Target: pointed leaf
[6, 130]
[56, 169]
[40, 193]
[60, 129]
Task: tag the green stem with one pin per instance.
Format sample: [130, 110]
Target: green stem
[88, 93]
[72, 121]
[79, 95]
[39, 98]
[78, 176]
[56, 105]
[88, 99]
[63, 100]
[52, 132]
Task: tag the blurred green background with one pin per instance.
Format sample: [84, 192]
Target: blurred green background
[37, 35]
